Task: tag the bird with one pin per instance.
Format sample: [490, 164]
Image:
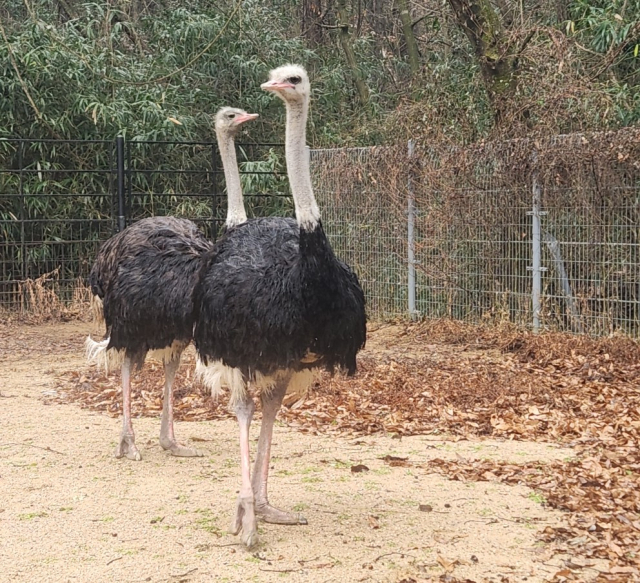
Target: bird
[273, 305]
[142, 285]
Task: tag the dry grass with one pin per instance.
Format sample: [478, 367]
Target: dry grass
[40, 301]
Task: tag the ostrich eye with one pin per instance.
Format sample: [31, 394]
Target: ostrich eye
[231, 115]
[294, 80]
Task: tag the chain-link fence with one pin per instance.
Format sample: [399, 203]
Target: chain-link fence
[544, 234]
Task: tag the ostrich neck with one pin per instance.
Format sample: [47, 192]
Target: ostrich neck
[307, 212]
[235, 205]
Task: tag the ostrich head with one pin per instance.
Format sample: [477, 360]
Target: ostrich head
[289, 82]
[229, 119]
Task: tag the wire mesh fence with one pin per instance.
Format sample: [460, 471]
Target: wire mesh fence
[185, 179]
[60, 199]
[361, 222]
[544, 234]
[590, 235]
[55, 209]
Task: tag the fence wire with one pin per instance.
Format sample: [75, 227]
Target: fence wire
[431, 230]
[472, 237]
[55, 210]
[363, 232]
[59, 199]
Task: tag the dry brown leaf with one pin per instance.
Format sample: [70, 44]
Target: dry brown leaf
[446, 564]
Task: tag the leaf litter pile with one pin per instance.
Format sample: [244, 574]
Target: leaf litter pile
[469, 382]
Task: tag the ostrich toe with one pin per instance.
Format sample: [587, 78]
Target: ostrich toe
[273, 515]
[244, 522]
[127, 448]
[179, 450]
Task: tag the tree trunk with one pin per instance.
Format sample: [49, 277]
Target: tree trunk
[497, 59]
[311, 22]
[409, 37]
[376, 17]
[66, 10]
[349, 53]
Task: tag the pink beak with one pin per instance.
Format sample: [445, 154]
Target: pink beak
[276, 86]
[246, 117]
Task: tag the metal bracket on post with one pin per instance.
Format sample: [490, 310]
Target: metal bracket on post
[120, 172]
[411, 250]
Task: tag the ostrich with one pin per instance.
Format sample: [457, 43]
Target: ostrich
[142, 283]
[272, 304]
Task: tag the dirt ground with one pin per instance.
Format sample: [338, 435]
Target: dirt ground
[70, 511]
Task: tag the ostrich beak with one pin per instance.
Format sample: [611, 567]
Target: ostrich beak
[277, 86]
[246, 117]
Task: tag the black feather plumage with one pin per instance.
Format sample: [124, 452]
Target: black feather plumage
[145, 276]
[273, 296]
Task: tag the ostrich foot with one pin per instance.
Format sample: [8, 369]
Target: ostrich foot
[127, 448]
[179, 450]
[273, 515]
[244, 522]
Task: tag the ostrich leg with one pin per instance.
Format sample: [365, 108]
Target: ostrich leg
[245, 518]
[127, 444]
[271, 403]
[167, 436]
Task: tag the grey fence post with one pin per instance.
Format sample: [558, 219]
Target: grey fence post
[536, 240]
[411, 221]
[120, 181]
[22, 216]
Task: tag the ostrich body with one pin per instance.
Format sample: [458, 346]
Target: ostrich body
[273, 303]
[142, 282]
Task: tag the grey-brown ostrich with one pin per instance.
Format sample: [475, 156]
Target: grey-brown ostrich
[142, 282]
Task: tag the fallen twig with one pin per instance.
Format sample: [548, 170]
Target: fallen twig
[35, 446]
[114, 560]
[303, 561]
[402, 555]
[187, 573]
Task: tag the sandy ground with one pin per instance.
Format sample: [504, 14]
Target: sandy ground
[70, 511]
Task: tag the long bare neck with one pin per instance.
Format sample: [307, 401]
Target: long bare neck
[307, 212]
[235, 204]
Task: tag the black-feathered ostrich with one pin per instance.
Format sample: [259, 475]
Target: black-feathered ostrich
[142, 281]
[273, 303]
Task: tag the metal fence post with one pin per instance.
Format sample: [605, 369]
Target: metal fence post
[22, 216]
[120, 172]
[536, 241]
[411, 251]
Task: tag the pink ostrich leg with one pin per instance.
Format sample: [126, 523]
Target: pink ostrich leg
[127, 445]
[167, 436]
[245, 518]
[271, 402]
